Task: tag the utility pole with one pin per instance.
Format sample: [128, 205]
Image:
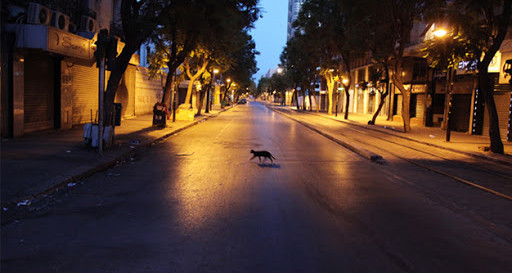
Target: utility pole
[106, 47]
[449, 87]
[101, 45]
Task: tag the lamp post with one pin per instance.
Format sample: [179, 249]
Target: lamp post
[450, 71]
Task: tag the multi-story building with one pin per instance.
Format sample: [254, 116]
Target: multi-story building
[49, 73]
[429, 91]
[294, 7]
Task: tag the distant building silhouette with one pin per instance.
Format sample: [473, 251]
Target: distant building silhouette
[294, 7]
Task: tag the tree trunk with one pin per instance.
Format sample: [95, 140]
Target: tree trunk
[296, 98]
[347, 102]
[314, 96]
[381, 104]
[383, 96]
[310, 101]
[193, 78]
[303, 91]
[116, 75]
[486, 86]
[202, 96]
[330, 89]
[490, 105]
[406, 99]
[169, 81]
[190, 88]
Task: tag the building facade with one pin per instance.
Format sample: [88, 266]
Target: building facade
[49, 73]
[294, 7]
[428, 104]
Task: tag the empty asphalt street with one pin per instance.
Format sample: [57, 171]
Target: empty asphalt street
[197, 203]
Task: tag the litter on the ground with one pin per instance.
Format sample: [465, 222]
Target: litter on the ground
[136, 141]
[68, 151]
[113, 174]
[71, 184]
[432, 136]
[132, 147]
[24, 203]
[5, 209]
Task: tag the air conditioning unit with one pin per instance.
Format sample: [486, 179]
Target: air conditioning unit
[60, 21]
[88, 24]
[38, 14]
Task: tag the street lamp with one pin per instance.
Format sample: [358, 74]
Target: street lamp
[439, 29]
[279, 70]
[441, 32]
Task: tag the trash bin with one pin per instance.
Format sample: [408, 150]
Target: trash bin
[159, 115]
[117, 114]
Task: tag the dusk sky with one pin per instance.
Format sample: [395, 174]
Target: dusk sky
[270, 34]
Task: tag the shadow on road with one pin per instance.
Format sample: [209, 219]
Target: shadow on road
[269, 165]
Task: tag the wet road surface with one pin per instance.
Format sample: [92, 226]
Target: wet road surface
[196, 203]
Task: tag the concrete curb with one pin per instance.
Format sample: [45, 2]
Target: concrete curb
[358, 150]
[124, 156]
[496, 160]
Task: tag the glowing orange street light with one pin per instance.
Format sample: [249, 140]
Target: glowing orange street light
[440, 32]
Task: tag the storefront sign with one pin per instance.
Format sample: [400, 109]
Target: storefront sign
[69, 44]
[504, 77]
[419, 88]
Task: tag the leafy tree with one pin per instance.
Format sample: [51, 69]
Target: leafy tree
[279, 82]
[340, 30]
[242, 61]
[402, 15]
[477, 28]
[263, 86]
[300, 61]
[381, 49]
[195, 65]
[323, 22]
[139, 19]
[200, 28]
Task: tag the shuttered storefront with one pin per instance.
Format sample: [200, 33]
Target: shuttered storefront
[502, 100]
[39, 98]
[85, 93]
[461, 109]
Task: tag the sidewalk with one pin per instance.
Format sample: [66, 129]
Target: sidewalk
[37, 164]
[435, 136]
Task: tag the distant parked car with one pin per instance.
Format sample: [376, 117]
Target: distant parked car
[242, 101]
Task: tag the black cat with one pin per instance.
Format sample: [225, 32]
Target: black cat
[263, 154]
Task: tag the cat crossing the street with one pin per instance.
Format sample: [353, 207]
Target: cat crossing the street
[263, 154]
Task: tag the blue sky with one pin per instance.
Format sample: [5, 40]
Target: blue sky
[270, 34]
